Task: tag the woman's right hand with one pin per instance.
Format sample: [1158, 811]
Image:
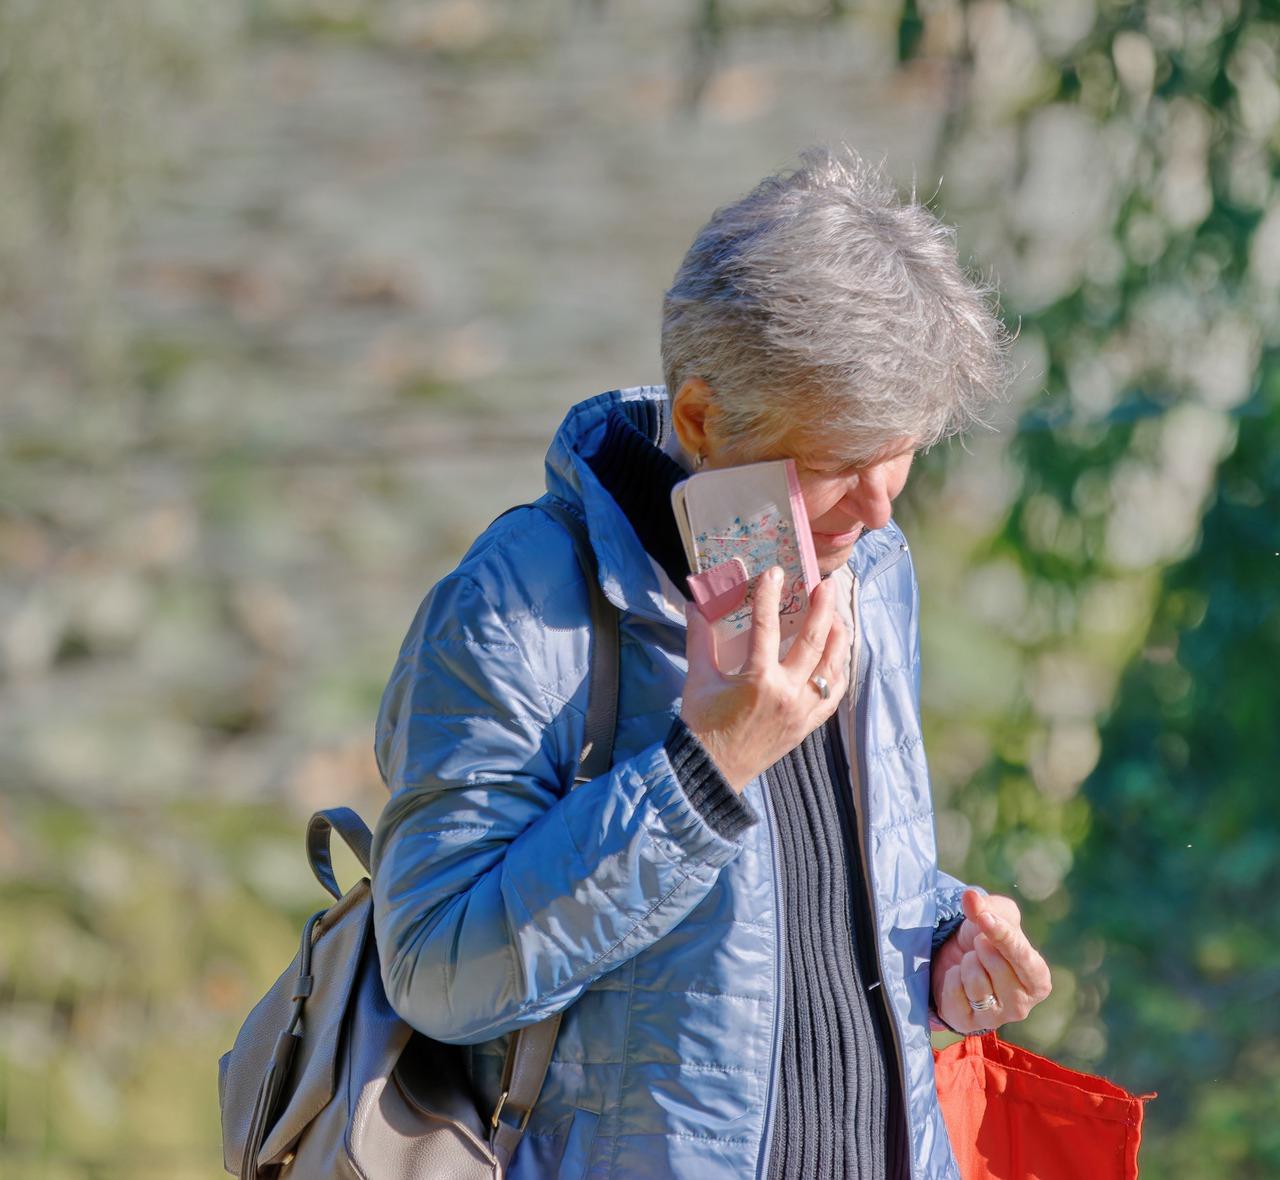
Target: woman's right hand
[749, 720]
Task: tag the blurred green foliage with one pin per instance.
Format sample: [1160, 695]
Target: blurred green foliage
[227, 444]
[1177, 878]
[1154, 883]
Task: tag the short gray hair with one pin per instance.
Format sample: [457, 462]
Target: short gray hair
[821, 297]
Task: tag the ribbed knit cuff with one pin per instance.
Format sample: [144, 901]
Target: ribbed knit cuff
[728, 814]
[945, 930]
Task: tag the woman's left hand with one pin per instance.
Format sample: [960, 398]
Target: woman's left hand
[988, 957]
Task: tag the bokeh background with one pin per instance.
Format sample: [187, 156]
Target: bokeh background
[293, 294]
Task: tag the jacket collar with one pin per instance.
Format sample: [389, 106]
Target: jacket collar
[627, 575]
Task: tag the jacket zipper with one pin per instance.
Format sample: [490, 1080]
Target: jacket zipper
[770, 1103]
[860, 810]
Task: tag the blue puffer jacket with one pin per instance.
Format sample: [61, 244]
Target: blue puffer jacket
[503, 893]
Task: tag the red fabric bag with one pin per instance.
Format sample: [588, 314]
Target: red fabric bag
[1012, 1115]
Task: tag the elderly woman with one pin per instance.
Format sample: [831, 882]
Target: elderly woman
[743, 921]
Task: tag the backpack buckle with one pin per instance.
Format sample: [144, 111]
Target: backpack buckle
[497, 1112]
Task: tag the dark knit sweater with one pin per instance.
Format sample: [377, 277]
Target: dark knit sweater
[839, 1110]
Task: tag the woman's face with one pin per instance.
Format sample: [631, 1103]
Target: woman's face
[842, 501]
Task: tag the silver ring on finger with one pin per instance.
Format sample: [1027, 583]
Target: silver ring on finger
[985, 1004]
[820, 683]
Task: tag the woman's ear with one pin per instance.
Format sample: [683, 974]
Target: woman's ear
[692, 410]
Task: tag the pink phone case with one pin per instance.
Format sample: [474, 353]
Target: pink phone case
[737, 522]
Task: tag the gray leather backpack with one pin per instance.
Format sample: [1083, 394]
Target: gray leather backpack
[325, 1080]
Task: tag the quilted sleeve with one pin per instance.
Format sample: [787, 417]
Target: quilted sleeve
[498, 894]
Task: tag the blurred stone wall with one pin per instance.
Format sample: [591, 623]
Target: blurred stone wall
[294, 297]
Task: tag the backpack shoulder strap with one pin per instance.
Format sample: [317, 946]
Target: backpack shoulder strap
[529, 1052]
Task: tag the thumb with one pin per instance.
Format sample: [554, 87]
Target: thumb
[973, 903]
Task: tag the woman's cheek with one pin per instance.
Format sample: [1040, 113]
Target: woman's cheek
[819, 499]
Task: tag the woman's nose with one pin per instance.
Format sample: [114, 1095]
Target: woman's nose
[869, 498]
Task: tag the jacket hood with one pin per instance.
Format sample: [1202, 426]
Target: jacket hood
[627, 574]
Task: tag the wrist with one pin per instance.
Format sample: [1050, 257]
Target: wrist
[724, 763]
[704, 785]
[717, 750]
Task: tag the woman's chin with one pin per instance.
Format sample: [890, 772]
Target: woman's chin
[833, 550]
[830, 560]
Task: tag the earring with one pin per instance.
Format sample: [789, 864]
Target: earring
[698, 460]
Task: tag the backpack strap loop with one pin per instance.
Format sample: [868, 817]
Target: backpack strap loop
[351, 828]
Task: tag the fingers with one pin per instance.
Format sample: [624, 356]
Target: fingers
[750, 719]
[1025, 963]
[1018, 972]
[700, 641]
[1000, 919]
[832, 668]
[819, 648]
[967, 983]
[978, 987]
[835, 657]
[810, 644]
[991, 956]
[952, 1002]
[762, 650]
[1005, 985]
